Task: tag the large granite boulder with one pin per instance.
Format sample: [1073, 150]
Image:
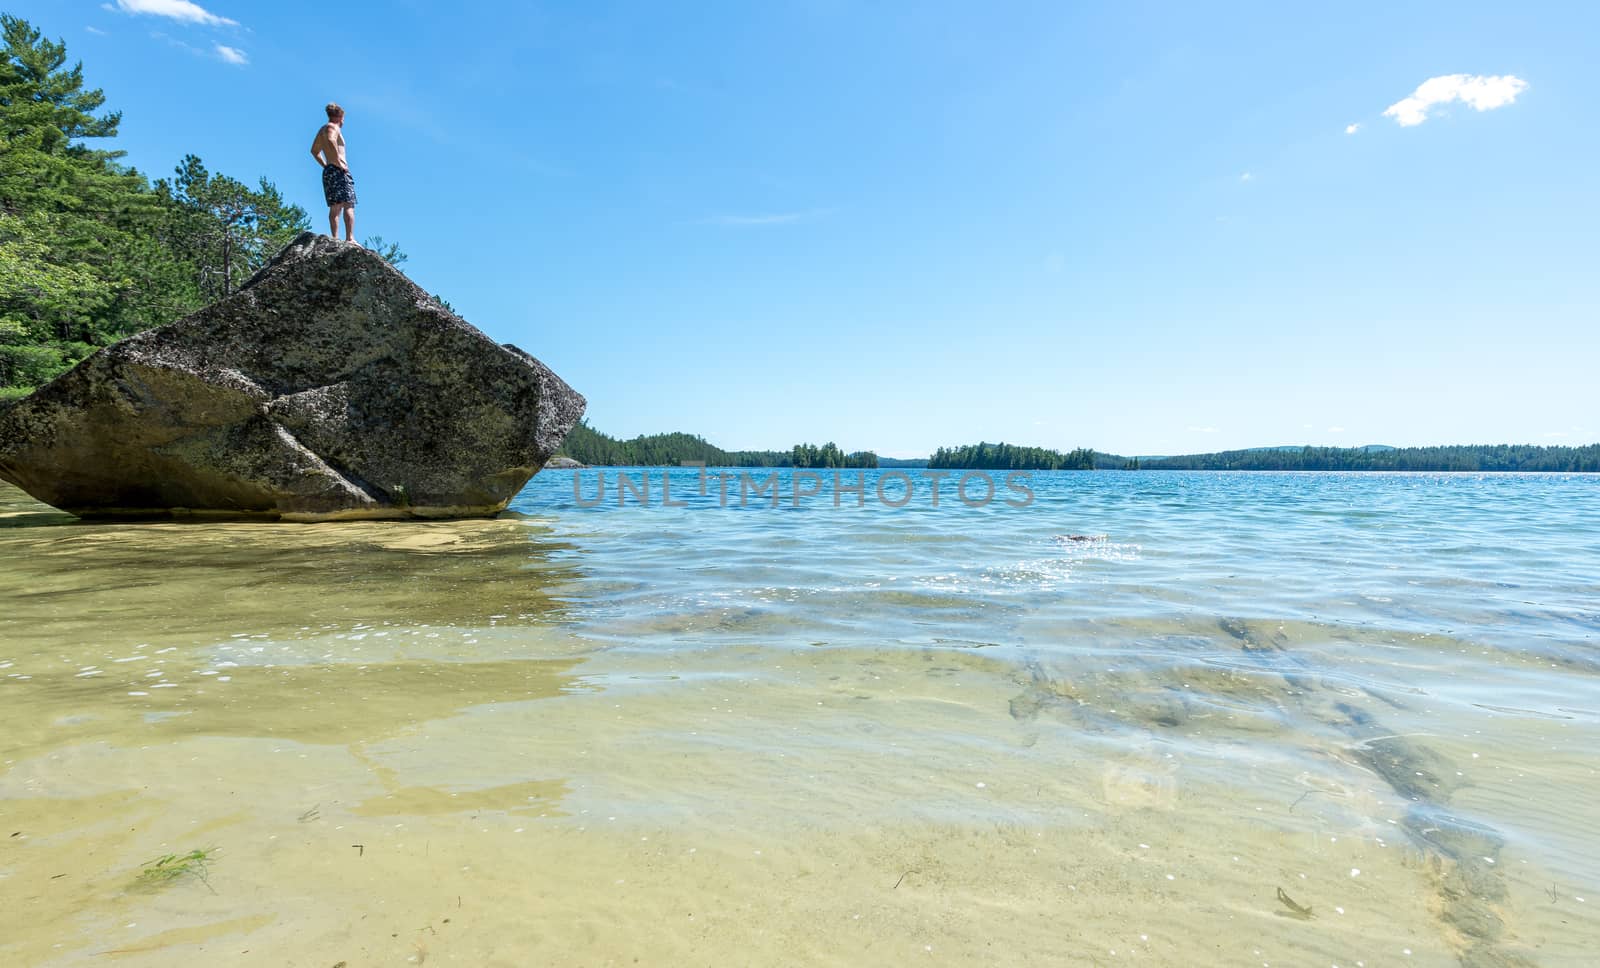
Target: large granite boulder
[328, 386]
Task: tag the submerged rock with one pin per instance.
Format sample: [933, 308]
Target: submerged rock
[328, 386]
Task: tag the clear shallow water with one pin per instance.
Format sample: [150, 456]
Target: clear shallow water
[1120, 719]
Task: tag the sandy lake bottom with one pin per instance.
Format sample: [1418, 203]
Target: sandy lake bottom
[1247, 720]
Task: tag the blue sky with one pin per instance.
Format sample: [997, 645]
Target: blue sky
[1140, 227]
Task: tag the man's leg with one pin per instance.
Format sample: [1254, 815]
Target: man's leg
[349, 223]
[333, 221]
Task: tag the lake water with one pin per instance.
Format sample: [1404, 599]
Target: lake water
[1149, 718]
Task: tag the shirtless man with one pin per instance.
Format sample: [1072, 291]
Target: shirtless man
[338, 185]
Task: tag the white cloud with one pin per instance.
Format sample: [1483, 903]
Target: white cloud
[184, 10]
[1557, 433]
[1246, 177]
[1478, 91]
[232, 55]
[1335, 430]
[1352, 128]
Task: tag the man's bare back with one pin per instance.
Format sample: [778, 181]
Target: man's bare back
[328, 148]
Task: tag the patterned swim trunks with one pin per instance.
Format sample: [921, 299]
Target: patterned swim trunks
[338, 185]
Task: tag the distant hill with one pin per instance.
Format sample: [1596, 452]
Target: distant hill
[1256, 450]
[589, 446]
[1381, 457]
[1289, 457]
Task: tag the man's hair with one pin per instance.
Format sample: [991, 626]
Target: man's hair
[334, 110]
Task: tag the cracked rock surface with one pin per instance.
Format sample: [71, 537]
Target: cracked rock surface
[328, 386]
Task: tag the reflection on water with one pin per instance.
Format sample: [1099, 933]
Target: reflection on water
[185, 583]
[1167, 718]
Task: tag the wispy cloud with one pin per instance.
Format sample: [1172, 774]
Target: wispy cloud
[96, 31]
[1246, 177]
[1202, 430]
[175, 42]
[749, 221]
[1478, 91]
[1335, 430]
[232, 55]
[1352, 128]
[182, 10]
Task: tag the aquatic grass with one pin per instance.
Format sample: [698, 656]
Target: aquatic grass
[170, 868]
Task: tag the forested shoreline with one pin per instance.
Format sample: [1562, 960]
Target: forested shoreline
[1468, 457]
[1010, 457]
[588, 446]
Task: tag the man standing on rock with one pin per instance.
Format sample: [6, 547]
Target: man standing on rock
[338, 185]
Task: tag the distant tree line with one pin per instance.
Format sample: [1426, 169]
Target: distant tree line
[829, 455]
[1487, 457]
[90, 250]
[990, 457]
[589, 446]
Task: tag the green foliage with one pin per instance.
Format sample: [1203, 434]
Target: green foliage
[72, 241]
[31, 365]
[44, 307]
[225, 228]
[588, 446]
[1008, 457]
[389, 251]
[47, 106]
